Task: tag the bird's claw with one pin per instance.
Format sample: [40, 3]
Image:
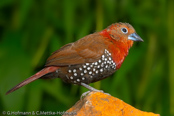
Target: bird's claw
[84, 94]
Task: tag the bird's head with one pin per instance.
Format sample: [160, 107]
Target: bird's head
[123, 32]
[121, 37]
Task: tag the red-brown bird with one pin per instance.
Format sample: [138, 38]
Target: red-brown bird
[90, 59]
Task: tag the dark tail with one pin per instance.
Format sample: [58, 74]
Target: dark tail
[33, 78]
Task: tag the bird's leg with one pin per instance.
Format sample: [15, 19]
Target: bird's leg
[90, 88]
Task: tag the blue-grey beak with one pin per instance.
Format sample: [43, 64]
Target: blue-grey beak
[135, 37]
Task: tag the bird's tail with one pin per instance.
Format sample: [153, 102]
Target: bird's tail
[34, 77]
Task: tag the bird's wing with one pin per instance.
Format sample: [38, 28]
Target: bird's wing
[88, 49]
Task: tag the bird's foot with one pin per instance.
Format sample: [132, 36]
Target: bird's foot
[87, 92]
[91, 90]
[84, 94]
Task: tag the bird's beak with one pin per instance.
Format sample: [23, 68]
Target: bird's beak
[135, 37]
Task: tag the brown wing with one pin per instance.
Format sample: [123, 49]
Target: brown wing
[88, 49]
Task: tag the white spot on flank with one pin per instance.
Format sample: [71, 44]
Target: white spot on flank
[78, 80]
[99, 61]
[90, 72]
[75, 74]
[96, 63]
[88, 68]
[71, 77]
[106, 51]
[84, 66]
[80, 68]
[85, 71]
[81, 74]
[69, 71]
[83, 78]
[87, 63]
[102, 65]
[93, 69]
[74, 70]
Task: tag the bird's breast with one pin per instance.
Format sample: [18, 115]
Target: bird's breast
[119, 51]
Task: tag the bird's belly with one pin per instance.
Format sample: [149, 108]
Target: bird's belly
[88, 72]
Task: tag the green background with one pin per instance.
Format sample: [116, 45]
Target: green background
[30, 30]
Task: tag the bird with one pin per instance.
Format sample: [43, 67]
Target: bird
[89, 59]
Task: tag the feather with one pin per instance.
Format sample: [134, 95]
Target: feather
[88, 49]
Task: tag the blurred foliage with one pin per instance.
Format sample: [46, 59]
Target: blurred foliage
[30, 30]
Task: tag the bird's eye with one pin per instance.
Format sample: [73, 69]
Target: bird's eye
[124, 30]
